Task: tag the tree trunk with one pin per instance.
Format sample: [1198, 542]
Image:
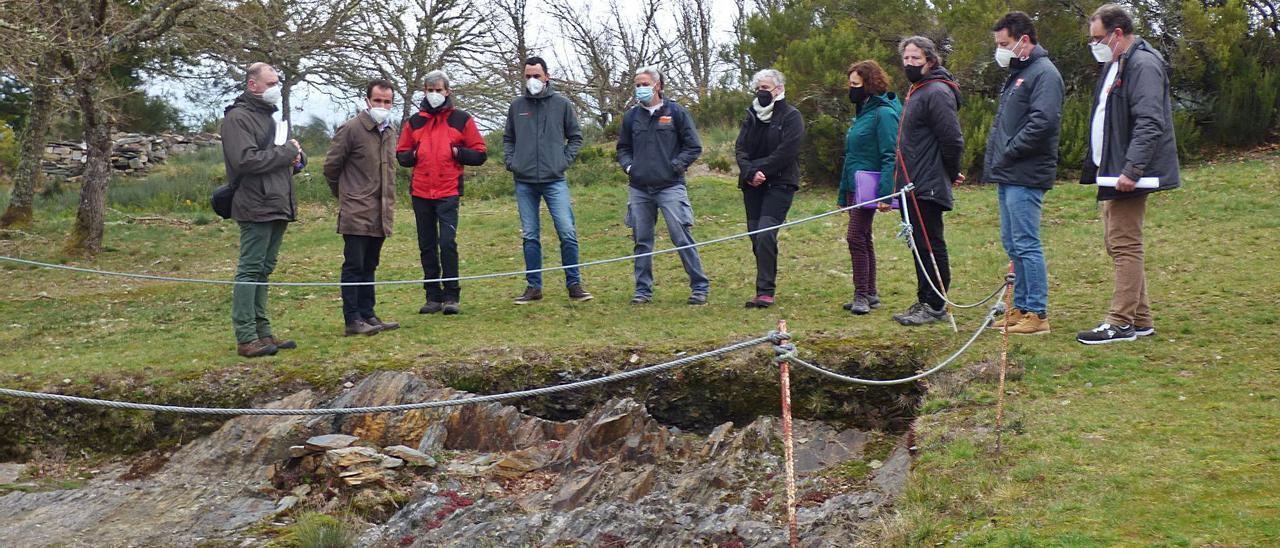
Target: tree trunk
[19, 213]
[86, 233]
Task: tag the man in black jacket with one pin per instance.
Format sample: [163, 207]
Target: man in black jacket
[929, 148]
[1132, 153]
[656, 144]
[1022, 158]
[768, 151]
[264, 202]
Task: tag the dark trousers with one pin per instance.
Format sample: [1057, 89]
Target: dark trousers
[360, 256]
[929, 220]
[862, 251]
[766, 207]
[438, 246]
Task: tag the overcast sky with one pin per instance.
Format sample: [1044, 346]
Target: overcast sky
[308, 101]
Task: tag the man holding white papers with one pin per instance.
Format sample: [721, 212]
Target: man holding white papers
[1022, 158]
[1131, 139]
[264, 204]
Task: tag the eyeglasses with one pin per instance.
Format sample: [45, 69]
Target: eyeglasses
[1095, 40]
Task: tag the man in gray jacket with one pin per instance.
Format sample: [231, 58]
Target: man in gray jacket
[656, 144]
[1022, 158]
[541, 140]
[1132, 153]
[264, 203]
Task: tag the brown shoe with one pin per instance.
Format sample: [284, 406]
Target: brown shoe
[282, 345]
[384, 326]
[1015, 316]
[361, 327]
[256, 348]
[1031, 324]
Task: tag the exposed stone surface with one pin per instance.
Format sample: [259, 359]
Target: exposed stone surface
[614, 477]
[11, 472]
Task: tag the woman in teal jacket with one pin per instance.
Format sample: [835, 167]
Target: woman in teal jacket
[869, 146]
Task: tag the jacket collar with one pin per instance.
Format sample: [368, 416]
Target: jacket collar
[1036, 53]
[252, 102]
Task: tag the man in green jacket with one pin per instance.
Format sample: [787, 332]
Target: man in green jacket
[264, 203]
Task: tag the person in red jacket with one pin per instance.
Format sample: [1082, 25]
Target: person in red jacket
[437, 142]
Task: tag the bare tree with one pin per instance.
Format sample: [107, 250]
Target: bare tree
[31, 58]
[300, 38]
[99, 32]
[402, 40]
[695, 61]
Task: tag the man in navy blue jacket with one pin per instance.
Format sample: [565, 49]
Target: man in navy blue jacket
[656, 144]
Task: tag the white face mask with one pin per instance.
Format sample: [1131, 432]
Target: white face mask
[1101, 52]
[435, 99]
[535, 86]
[379, 114]
[272, 95]
[1003, 57]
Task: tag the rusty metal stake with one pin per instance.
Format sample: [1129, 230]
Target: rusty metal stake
[784, 372]
[1004, 359]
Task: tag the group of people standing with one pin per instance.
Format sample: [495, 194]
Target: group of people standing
[890, 144]
[1132, 153]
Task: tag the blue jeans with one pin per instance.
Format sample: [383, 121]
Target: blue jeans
[643, 206]
[1020, 232]
[556, 194]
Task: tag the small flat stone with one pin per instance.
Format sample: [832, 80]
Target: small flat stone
[351, 456]
[330, 441]
[410, 455]
[11, 472]
[286, 504]
[298, 451]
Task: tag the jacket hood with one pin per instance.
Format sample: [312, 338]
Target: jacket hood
[251, 102]
[1037, 52]
[886, 99]
[941, 74]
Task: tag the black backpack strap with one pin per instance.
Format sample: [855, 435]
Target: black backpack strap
[458, 120]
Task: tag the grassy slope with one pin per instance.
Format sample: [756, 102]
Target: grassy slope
[1170, 440]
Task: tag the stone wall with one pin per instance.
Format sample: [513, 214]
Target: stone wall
[131, 152]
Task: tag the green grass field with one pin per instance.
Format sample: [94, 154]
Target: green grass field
[1167, 441]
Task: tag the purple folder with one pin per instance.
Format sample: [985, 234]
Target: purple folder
[865, 183]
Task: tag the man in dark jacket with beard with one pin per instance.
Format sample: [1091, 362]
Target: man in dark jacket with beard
[264, 203]
[929, 149]
[1022, 158]
[1132, 153]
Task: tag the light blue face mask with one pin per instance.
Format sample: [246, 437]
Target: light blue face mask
[644, 94]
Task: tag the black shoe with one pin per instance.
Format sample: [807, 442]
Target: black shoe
[1106, 333]
[361, 327]
[640, 299]
[530, 295]
[381, 325]
[921, 314]
[860, 305]
[431, 307]
[697, 299]
[873, 302]
[577, 293]
[1138, 331]
[451, 308]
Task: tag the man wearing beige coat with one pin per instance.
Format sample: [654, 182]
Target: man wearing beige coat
[360, 169]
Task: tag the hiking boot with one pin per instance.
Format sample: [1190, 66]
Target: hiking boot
[431, 307]
[381, 325]
[361, 327]
[921, 315]
[640, 299]
[256, 348]
[873, 302]
[577, 293]
[911, 310]
[860, 305]
[1015, 316]
[530, 295]
[697, 299]
[290, 345]
[761, 301]
[451, 308]
[1106, 333]
[1144, 331]
[1031, 324]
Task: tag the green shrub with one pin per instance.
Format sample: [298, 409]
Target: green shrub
[1245, 108]
[822, 157]
[721, 108]
[315, 530]
[1073, 139]
[976, 116]
[9, 150]
[1187, 132]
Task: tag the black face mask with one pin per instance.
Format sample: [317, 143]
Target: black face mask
[764, 97]
[914, 73]
[857, 95]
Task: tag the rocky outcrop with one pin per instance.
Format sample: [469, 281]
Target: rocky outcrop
[130, 152]
[477, 475]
